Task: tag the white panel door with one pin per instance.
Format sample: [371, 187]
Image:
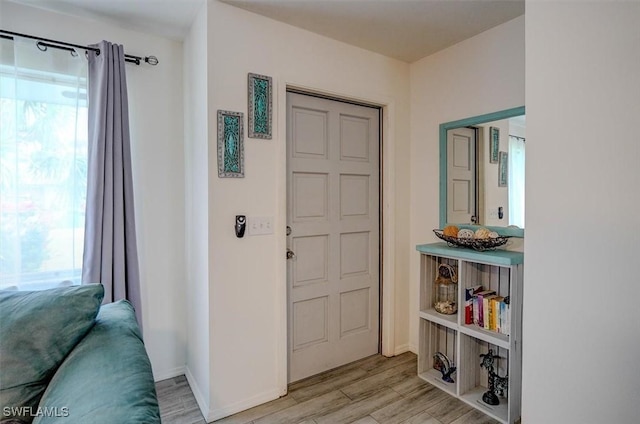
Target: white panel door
[333, 213]
[461, 175]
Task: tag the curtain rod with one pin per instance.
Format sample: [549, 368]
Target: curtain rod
[45, 42]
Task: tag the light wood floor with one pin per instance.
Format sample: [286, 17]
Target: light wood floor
[375, 390]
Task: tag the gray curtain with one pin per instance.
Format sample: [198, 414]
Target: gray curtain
[110, 254]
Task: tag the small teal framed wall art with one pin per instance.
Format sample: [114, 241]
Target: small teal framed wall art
[494, 139]
[503, 169]
[260, 106]
[230, 144]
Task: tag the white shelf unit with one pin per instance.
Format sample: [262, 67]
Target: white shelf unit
[498, 270]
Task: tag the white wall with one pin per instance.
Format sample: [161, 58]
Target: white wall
[155, 110]
[480, 75]
[248, 275]
[581, 327]
[197, 168]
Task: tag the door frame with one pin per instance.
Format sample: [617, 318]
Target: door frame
[387, 213]
[335, 105]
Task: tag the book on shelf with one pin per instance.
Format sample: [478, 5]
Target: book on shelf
[475, 310]
[488, 312]
[505, 317]
[469, 294]
[479, 306]
[496, 313]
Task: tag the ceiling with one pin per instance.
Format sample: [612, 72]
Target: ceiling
[403, 29]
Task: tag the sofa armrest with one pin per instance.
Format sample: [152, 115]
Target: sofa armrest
[106, 378]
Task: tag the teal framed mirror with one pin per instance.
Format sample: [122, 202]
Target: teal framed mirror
[444, 195]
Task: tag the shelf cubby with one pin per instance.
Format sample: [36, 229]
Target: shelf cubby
[437, 338]
[474, 379]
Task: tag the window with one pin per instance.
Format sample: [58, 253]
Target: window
[516, 180]
[43, 165]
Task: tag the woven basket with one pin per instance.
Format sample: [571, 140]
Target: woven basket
[471, 243]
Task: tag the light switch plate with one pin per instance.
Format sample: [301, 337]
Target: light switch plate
[260, 225]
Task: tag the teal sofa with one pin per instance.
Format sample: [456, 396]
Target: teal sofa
[65, 358]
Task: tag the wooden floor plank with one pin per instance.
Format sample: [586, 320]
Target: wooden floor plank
[192, 416]
[365, 386]
[331, 374]
[475, 417]
[302, 411]
[374, 390]
[379, 363]
[337, 381]
[449, 410]
[421, 418]
[408, 385]
[411, 404]
[259, 411]
[356, 410]
[366, 420]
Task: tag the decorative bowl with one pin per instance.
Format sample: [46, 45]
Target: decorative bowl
[473, 243]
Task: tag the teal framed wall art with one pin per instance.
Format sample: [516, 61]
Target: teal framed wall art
[260, 106]
[495, 144]
[230, 144]
[503, 169]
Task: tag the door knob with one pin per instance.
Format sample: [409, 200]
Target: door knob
[290, 254]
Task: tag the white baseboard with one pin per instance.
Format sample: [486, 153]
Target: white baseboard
[167, 374]
[256, 400]
[201, 400]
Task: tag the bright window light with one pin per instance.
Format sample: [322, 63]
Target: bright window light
[43, 169]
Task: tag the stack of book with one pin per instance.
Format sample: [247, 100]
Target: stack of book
[487, 310]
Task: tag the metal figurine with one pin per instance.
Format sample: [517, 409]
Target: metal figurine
[497, 384]
[444, 365]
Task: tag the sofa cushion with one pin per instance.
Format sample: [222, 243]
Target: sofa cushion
[38, 329]
[107, 378]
